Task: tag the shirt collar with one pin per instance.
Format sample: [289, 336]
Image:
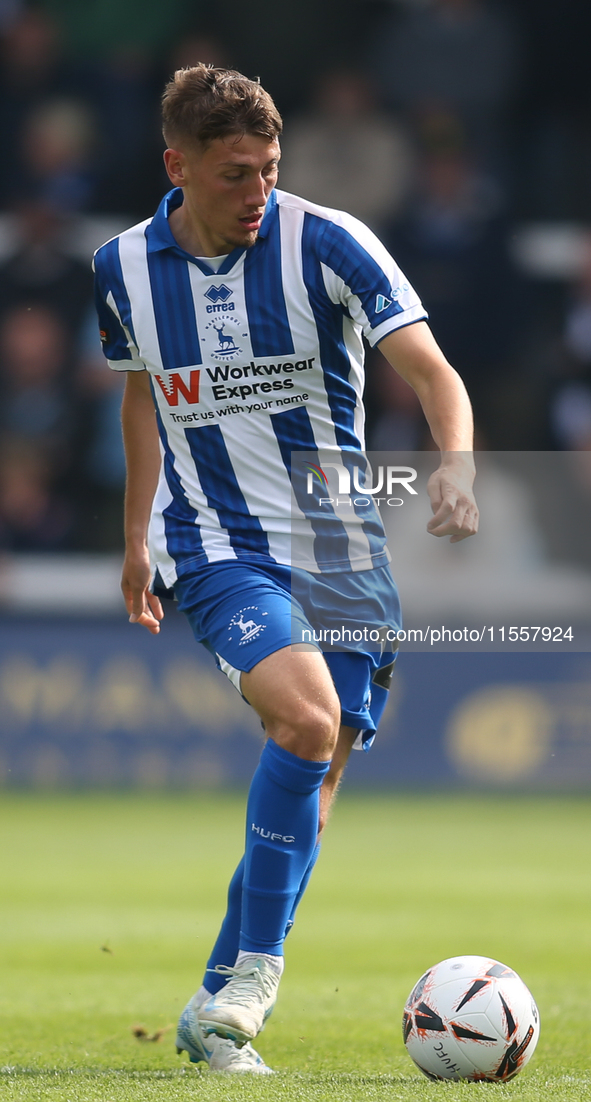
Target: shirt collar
[159, 234]
[269, 215]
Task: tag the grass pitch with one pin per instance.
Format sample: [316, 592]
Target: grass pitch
[109, 905]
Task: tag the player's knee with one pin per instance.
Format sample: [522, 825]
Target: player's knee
[310, 732]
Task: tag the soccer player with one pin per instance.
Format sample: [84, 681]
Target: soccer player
[237, 312]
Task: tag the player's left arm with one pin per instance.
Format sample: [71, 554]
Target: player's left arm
[416, 356]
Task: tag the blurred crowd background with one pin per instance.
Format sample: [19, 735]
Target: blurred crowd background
[459, 130]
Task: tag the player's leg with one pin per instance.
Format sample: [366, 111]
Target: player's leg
[294, 694]
[244, 614]
[330, 787]
[225, 949]
[220, 1053]
[362, 682]
[295, 697]
[300, 722]
[332, 781]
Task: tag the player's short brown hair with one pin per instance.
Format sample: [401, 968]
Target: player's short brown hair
[203, 103]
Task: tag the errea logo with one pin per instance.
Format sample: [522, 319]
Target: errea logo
[218, 299]
[218, 294]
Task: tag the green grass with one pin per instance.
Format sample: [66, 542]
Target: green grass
[109, 905]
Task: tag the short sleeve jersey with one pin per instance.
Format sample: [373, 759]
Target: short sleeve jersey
[248, 364]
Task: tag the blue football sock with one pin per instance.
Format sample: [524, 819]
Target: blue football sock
[281, 831]
[302, 887]
[225, 949]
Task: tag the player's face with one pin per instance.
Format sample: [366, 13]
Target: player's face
[226, 187]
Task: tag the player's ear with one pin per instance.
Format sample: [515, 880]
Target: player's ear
[175, 165]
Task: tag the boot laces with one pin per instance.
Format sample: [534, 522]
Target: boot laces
[243, 988]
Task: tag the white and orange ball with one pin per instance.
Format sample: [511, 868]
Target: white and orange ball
[470, 1018]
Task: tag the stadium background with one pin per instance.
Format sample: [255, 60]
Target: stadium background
[460, 131]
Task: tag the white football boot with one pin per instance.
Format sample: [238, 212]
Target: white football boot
[227, 1056]
[240, 1010]
[220, 1053]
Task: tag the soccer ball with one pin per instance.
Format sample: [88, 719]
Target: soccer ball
[470, 1018]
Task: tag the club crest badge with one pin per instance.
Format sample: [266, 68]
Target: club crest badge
[247, 624]
[226, 331]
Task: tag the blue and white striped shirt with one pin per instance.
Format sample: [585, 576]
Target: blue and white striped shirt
[248, 364]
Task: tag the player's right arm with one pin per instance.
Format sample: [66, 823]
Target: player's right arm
[142, 457]
[416, 356]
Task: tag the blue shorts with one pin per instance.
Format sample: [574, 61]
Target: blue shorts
[244, 612]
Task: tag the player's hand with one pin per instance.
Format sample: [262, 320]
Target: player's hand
[455, 512]
[143, 607]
